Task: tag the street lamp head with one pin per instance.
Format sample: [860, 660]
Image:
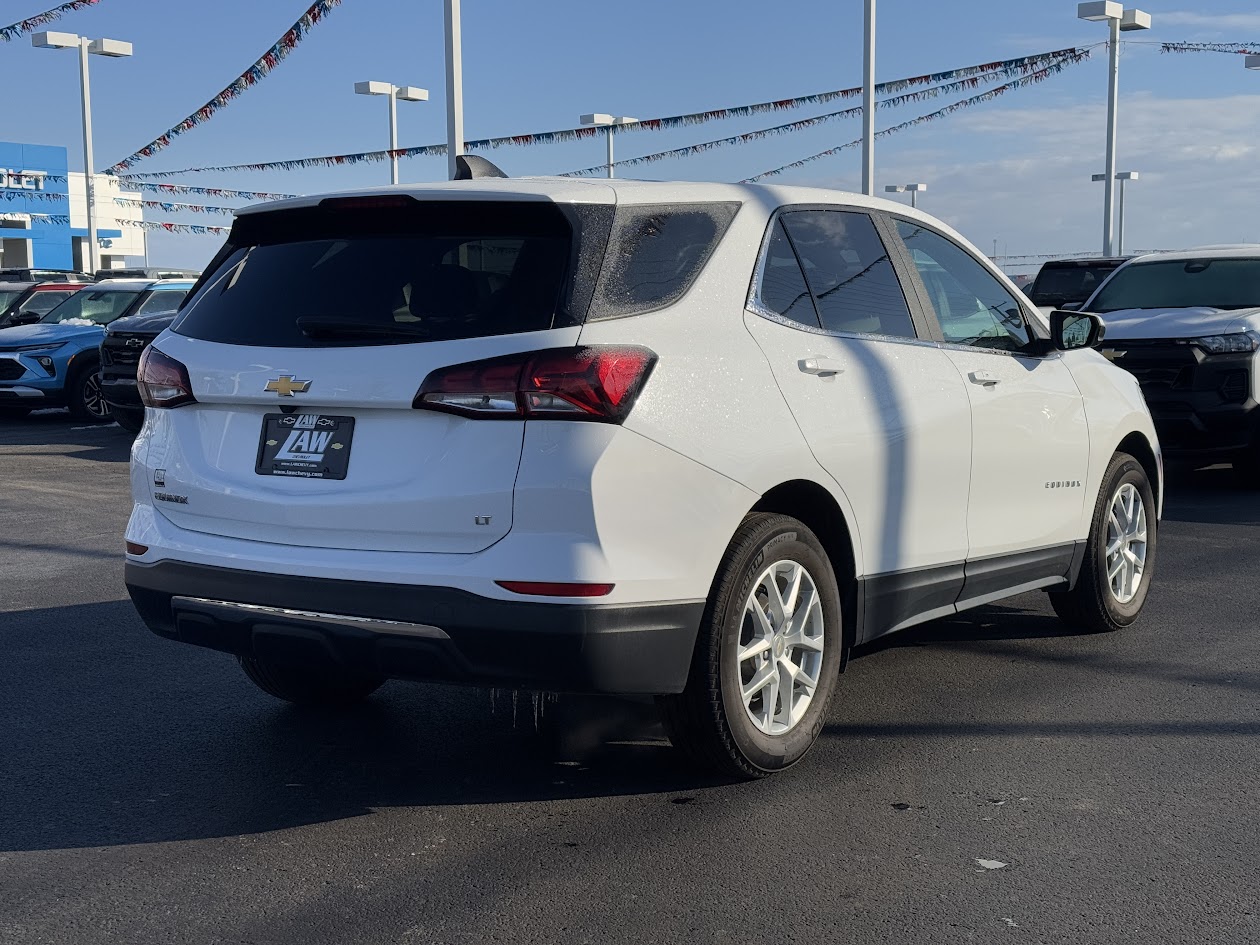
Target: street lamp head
[54, 40]
[114, 48]
[919, 187]
[409, 93]
[1253, 62]
[1127, 175]
[373, 88]
[1135, 20]
[597, 119]
[894, 188]
[1099, 11]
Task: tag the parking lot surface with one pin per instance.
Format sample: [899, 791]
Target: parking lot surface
[991, 777]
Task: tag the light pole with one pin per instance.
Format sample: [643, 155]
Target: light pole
[608, 123]
[1117, 19]
[395, 93]
[115, 49]
[1121, 176]
[912, 189]
[868, 100]
[454, 88]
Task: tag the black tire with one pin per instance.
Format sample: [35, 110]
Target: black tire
[708, 721]
[14, 413]
[84, 397]
[130, 420]
[1247, 468]
[309, 685]
[1092, 604]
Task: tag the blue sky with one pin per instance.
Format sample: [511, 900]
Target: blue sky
[1015, 170]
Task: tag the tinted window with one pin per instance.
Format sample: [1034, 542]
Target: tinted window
[101, 306]
[430, 271]
[1215, 283]
[655, 253]
[849, 271]
[7, 297]
[972, 307]
[44, 302]
[1059, 283]
[783, 288]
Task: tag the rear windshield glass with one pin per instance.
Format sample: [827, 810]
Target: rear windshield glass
[1180, 283]
[1056, 285]
[352, 272]
[100, 306]
[655, 253]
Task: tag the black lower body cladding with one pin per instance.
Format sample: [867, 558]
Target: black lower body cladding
[420, 632]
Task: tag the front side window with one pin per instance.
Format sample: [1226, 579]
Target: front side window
[41, 303]
[1182, 283]
[163, 300]
[972, 307]
[849, 272]
[100, 306]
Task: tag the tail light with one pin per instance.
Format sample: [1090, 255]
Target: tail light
[162, 380]
[599, 383]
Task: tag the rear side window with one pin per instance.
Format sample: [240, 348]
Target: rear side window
[655, 253]
[1057, 284]
[163, 300]
[783, 288]
[350, 272]
[849, 272]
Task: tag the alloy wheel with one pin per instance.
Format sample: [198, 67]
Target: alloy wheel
[1126, 543]
[93, 399]
[780, 652]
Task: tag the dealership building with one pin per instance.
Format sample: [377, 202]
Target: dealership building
[43, 213]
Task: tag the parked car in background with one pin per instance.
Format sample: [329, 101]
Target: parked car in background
[1066, 283]
[1187, 326]
[125, 340]
[44, 275]
[24, 302]
[55, 362]
[147, 272]
[693, 441]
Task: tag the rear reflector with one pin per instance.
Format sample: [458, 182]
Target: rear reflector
[550, 589]
[599, 383]
[135, 549]
[162, 380]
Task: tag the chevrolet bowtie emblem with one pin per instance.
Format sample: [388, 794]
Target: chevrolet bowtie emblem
[286, 386]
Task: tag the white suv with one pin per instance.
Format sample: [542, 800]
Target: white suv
[694, 441]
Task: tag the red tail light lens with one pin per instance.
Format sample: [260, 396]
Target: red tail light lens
[599, 383]
[162, 380]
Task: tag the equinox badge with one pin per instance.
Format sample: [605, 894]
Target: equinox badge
[286, 386]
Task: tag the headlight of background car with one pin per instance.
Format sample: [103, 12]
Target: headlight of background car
[31, 349]
[1233, 343]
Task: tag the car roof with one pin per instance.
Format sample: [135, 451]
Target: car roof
[599, 191]
[16, 285]
[1086, 261]
[59, 286]
[1236, 251]
[119, 284]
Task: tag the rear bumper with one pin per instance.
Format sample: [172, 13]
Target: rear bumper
[121, 391]
[421, 632]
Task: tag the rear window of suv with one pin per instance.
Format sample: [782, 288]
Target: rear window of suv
[356, 271]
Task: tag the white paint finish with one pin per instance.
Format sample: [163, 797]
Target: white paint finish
[893, 428]
[1196, 322]
[1028, 429]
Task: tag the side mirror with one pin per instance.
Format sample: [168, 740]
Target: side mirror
[1072, 330]
[25, 318]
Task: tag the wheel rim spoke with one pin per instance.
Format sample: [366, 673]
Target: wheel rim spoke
[1126, 543]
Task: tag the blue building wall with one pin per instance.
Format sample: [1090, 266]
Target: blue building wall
[51, 246]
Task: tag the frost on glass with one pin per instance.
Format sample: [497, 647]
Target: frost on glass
[655, 254]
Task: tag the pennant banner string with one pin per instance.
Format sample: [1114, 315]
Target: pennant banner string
[918, 95]
[195, 228]
[987, 96]
[1237, 49]
[250, 77]
[173, 207]
[31, 23]
[176, 189]
[1023, 63]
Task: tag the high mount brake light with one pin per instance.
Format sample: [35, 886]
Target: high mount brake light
[376, 202]
[599, 383]
[162, 380]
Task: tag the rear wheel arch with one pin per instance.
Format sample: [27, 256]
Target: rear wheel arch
[816, 508]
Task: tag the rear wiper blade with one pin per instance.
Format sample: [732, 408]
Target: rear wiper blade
[332, 326]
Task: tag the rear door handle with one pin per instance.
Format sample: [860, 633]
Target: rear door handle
[983, 378]
[820, 367]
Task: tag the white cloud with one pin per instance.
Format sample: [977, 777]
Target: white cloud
[1218, 21]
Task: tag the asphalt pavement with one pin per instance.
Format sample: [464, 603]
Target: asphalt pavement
[994, 777]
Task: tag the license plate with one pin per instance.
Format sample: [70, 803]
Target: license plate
[305, 446]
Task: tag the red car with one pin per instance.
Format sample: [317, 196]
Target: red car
[22, 303]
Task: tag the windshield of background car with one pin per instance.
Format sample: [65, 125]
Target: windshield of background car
[1181, 283]
[8, 296]
[1056, 285]
[161, 300]
[408, 271]
[101, 306]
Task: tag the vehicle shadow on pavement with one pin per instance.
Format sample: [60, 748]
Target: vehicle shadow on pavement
[117, 737]
[61, 434]
[1214, 496]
